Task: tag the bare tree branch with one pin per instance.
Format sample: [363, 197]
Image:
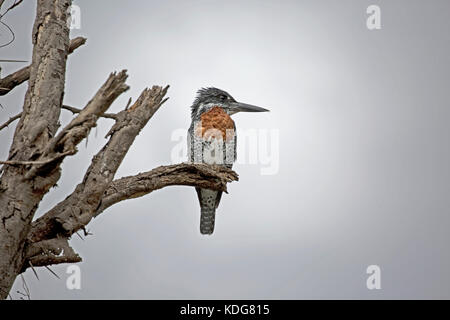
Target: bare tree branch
[187, 174]
[15, 4]
[80, 126]
[52, 272]
[39, 162]
[12, 119]
[48, 252]
[13, 80]
[38, 148]
[32, 268]
[76, 110]
[75, 43]
[66, 107]
[13, 35]
[76, 210]
[19, 199]
[197, 175]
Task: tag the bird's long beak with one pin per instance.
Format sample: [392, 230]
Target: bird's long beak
[244, 107]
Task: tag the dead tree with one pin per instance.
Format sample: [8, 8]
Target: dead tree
[39, 147]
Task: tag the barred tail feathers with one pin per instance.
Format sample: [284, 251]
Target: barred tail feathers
[208, 204]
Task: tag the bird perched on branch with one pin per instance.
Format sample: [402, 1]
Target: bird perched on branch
[212, 140]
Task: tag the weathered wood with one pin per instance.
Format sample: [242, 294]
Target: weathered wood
[188, 174]
[77, 209]
[65, 107]
[20, 76]
[184, 174]
[79, 128]
[33, 164]
[48, 252]
[38, 124]
[10, 120]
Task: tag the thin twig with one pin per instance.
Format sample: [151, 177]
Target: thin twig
[86, 232]
[76, 110]
[66, 107]
[25, 288]
[79, 235]
[128, 104]
[9, 60]
[32, 268]
[15, 4]
[17, 116]
[48, 268]
[12, 33]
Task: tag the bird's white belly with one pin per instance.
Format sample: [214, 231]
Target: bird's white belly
[213, 152]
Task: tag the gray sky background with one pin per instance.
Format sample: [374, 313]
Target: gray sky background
[364, 154]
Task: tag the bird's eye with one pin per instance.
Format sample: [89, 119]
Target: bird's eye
[223, 97]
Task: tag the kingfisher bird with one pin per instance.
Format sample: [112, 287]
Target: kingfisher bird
[212, 140]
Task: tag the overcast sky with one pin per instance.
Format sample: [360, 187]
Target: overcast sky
[364, 159]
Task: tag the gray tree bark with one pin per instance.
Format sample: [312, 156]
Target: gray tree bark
[37, 151]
